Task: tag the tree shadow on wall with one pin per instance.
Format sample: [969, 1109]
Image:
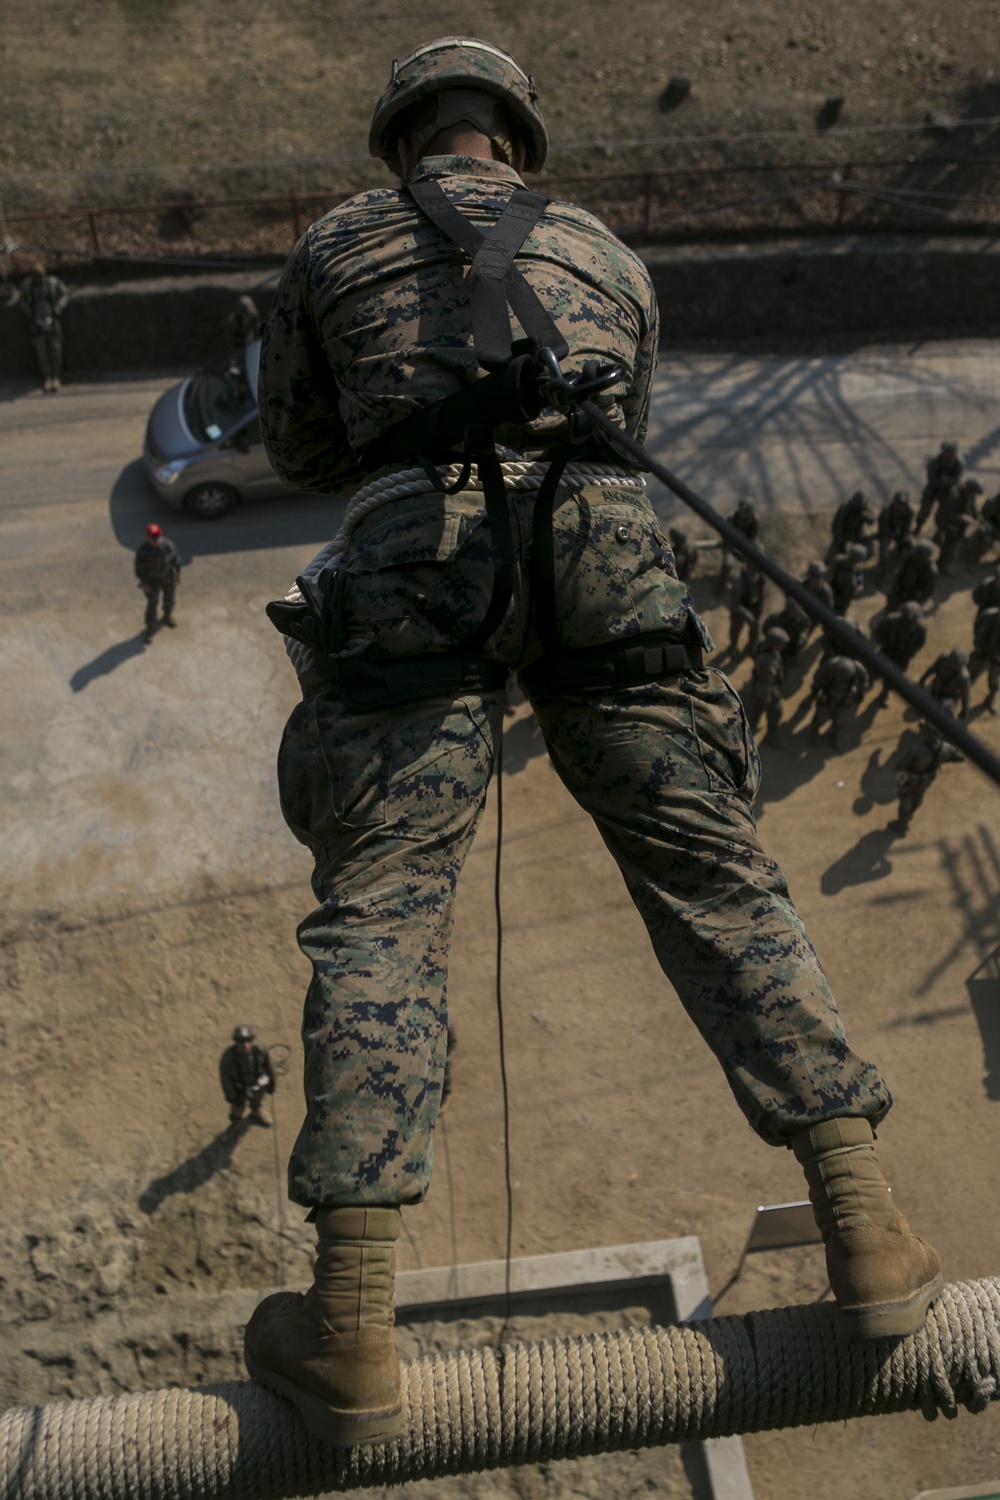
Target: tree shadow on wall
[984, 993]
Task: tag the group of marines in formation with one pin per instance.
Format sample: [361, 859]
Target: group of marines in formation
[908, 569]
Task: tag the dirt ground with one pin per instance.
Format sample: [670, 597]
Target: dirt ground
[150, 904]
[152, 100]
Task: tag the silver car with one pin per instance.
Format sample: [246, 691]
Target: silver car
[203, 451]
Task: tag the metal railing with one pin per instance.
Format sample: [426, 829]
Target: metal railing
[681, 202]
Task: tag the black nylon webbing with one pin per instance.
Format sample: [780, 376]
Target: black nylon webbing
[495, 280]
[543, 552]
[483, 450]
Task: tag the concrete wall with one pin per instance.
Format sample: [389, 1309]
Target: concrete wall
[898, 286]
[156, 324]
[895, 287]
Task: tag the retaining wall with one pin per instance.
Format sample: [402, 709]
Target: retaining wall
[891, 287]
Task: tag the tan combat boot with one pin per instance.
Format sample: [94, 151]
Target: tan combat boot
[333, 1351]
[883, 1277]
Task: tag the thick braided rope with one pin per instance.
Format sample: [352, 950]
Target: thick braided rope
[521, 1403]
[520, 475]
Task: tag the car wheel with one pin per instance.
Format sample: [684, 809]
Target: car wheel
[210, 502]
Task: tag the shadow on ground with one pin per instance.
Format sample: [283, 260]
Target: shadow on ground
[867, 861]
[192, 1174]
[284, 521]
[103, 665]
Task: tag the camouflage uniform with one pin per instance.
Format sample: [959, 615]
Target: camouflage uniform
[986, 653]
[899, 636]
[158, 568]
[852, 524]
[372, 317]
[957, 517]
[917, 578]
[948, 680]
[895, 524]
[817, 582]
[986, 595]
[43, 299]
[746, 605]
[685, 555]
[246, 1076]
[746, 519]
[838, 687]
[988, 530]
[846, 578]
[916, 770]
[765, 685]
[796, 624]
[944, 472]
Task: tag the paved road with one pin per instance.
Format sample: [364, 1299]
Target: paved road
[797, 432]
[140, 765]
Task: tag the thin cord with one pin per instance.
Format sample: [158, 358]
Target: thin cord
[452, 1291]
[283, 1052]
[503, 1055]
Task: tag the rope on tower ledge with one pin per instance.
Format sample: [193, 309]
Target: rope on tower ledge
[520, 1403]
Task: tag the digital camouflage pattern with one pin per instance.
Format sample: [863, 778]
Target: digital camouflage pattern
[371, 318]
[471, 68]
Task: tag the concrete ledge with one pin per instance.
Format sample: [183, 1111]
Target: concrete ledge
[892, 287]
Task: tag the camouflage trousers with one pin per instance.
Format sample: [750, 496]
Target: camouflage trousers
[389, 803]
[48, 347]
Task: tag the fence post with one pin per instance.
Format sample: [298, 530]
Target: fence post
[94, 236]
[842, 177]
[648, 203]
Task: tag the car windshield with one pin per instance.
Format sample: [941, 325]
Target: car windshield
[217, 397]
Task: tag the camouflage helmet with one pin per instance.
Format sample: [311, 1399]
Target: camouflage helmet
[461, 69]
[677, 535]
[971, 487]
[903, 495]
[950, 446]
[959, 656]
[925, 548]
[816, 570]
[856, 552]
[244, 1034]
[857, 500]
[778, 638]
[911, 609]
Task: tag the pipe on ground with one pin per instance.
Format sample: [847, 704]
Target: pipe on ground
[516, 1404]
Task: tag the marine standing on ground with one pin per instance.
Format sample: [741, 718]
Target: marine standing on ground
[899, 636]
[915, 772]
[376, 318]
[854, 523]
[944, 471]
[246, 1075]
[158, 569]
[43, 299]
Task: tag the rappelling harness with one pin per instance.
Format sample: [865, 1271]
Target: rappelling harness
[523, 377]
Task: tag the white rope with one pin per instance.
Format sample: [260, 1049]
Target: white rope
[520, 1403]
[520, 475]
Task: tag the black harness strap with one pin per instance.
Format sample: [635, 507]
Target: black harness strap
[543, 553]
[623, 663]
[468, 418]
[481, 446]
[495, 280]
